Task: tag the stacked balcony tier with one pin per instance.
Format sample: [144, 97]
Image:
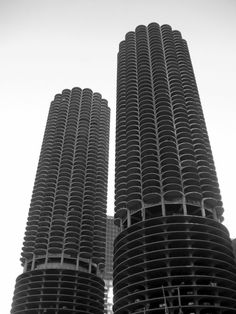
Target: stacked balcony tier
[67, 216]
[162, 147]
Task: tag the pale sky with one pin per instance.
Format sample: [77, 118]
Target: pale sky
[50, 45]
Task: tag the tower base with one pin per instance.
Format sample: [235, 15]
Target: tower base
[58, 291]
[174, 264]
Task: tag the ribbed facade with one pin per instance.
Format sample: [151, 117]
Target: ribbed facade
[64, 245]
[173, 255]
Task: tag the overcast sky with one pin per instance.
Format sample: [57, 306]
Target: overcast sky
[50, 45]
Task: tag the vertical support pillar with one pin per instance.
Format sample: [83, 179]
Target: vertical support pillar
[203, 209]
[143, 214]
[163, 208]
[33, 263]
[214, 214]
[77, 262]
[128, 219]
[185, 212]
[90, 266]
[25, 266]
[62, 257]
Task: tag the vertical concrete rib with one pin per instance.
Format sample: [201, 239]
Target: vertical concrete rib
[64, 245]
[173, 254]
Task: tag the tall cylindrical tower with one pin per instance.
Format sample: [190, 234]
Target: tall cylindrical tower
[173, 254]
[64, 246]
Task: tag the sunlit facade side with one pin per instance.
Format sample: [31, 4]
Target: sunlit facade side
[64, 246]
[173, 254]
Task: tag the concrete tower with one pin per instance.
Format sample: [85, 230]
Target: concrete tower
[64, 246]
[173, 255]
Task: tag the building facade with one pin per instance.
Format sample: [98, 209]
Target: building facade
[173, 254]
[64, 246]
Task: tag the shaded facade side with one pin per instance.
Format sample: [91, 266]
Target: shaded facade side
[66, 226]
[173, 255]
